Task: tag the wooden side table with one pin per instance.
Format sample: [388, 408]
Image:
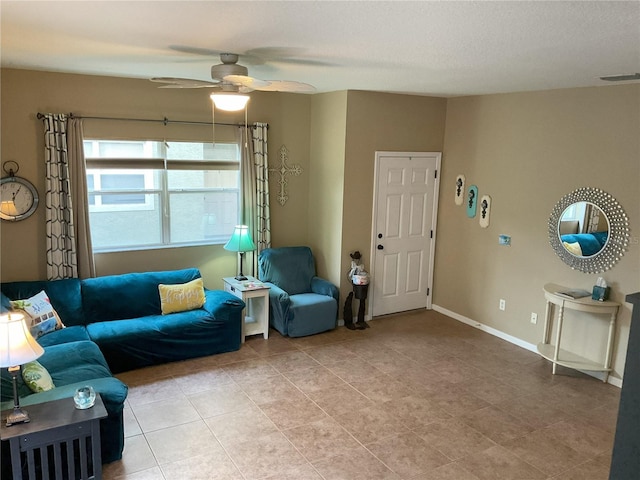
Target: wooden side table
[255, 319]
[61, 432]
[585, 304]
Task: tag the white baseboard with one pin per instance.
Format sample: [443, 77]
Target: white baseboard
[616, 382]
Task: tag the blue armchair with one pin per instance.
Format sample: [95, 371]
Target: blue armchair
[300, 303]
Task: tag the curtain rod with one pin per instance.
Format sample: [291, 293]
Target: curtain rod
[165, 120]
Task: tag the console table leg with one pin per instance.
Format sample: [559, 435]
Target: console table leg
[547, 323]
[612, 327]
[16, 462]
[556, 351]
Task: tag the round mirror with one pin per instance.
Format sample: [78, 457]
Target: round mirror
[583, 229]
[599, 229]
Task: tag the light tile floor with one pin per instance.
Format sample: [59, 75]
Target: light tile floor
[416, 396]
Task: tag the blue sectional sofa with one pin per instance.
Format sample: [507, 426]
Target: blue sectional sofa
[114, 324]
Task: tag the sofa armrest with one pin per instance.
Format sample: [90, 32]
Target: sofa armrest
[279, 301]
[278, 294]
[325, 287]
[219, 302]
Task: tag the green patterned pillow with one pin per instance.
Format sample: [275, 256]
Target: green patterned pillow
[36, 377]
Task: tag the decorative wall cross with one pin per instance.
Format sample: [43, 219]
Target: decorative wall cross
[284, 170]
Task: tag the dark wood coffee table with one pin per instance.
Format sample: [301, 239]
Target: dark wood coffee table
[59, 437]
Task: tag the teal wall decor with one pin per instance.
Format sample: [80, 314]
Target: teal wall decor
[472, 201]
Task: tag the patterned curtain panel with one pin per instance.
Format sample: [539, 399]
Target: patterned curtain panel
[255, 188]
[61, 241]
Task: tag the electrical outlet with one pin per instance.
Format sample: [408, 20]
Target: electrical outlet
[503, 304]
[534, 318]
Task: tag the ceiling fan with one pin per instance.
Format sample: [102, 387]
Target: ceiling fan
[231, 77]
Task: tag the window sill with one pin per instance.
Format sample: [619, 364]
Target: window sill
[155, 247]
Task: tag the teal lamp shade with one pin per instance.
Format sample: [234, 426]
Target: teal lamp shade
[241, 242]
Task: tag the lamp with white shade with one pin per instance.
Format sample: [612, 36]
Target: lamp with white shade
[17, 347]
[8, 207]
[240, 242]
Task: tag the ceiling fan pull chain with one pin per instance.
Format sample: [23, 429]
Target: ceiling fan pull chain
[213, 124]
[246, 129]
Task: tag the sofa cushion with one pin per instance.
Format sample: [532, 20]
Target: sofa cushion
[64, 335]
[66, 363]
[74, 362]
[64, 295]
[5, 303]
[181, 297]
[139, 342]
[131, 295]
[321, 308]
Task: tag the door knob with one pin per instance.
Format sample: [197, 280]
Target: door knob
[379, 235]
[380, 247]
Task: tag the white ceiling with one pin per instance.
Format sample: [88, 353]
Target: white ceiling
[443, 48]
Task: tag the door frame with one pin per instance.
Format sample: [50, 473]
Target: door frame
[432, 247]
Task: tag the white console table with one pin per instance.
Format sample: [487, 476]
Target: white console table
[255, 320]
[585, 304]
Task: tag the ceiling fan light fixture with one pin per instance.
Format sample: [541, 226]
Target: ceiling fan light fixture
[229, 102]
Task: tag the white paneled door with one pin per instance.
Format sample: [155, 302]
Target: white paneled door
[404, 230]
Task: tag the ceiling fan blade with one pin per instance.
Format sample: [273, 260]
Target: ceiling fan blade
[172, 82]
[195, 50]
[245, 81]
[286, 55]
[287, 86]
[269, 85]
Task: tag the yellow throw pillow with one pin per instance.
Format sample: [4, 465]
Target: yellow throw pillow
[573, 248]
[181, 297]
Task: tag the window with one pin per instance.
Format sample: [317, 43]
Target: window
[576, 212]
[146, 194]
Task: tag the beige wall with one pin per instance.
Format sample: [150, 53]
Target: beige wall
[380, 122]
[526, 151]
[25, 93]
[326, 185]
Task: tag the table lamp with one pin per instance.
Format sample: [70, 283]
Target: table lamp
[17, 347]
[240, 242]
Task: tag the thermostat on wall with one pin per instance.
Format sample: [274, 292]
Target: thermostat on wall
[504, 240]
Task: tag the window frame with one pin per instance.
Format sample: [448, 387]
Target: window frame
[160, 166]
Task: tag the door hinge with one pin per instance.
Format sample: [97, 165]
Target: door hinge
[436, 174]
[428, 291]
[431, 233]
